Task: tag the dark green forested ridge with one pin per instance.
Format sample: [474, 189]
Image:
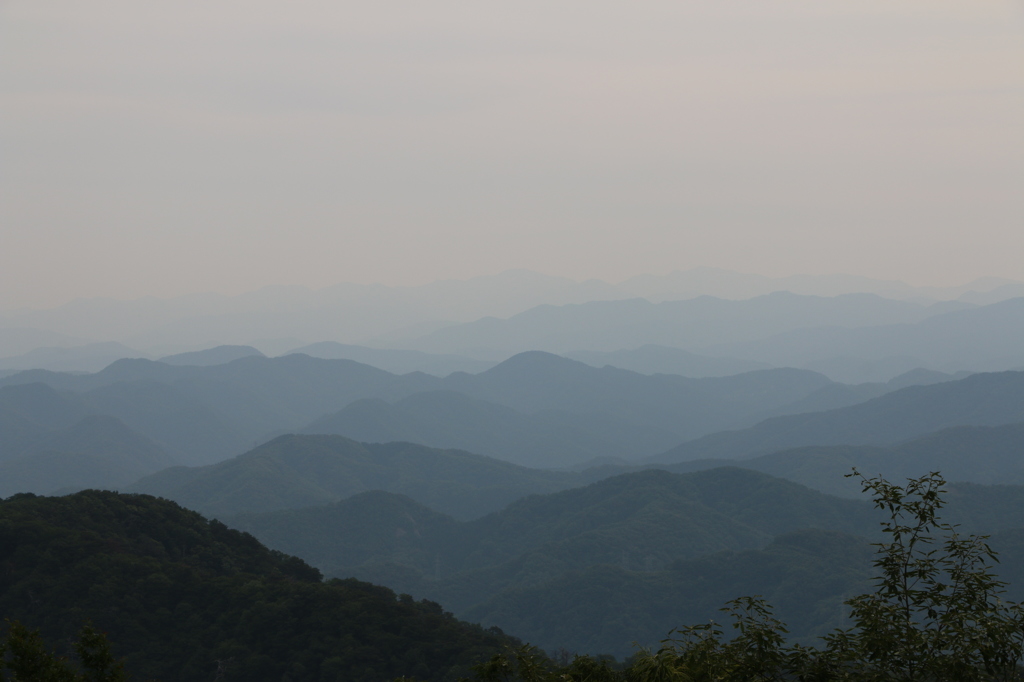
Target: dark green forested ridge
[640, 520]
[606, 609]
[624, 536]
[365, 529]
[936, 612]
[622, 547]
[183, 598]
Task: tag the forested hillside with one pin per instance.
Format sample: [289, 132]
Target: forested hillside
[630, 535]
[598, 567]
[183, 598]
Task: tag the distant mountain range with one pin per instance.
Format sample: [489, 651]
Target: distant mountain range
[90, 357]
[980, 454]
[301, 471]
[988, 338]
[654, 359]
[852, 339]
[580, 464]
[203, 414]
[218, 355]
[15, 340]
[452, 420]
[396, 361]
[535, 409]
[978, 400]
[97, 452]
[51, 441]
[285, 317]
[688, 324]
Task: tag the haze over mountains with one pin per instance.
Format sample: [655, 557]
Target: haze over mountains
[980, 454]
[485, 320]
[587, 469]
[978, 400]
[535, 409]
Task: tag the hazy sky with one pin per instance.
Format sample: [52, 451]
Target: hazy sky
[205, 145]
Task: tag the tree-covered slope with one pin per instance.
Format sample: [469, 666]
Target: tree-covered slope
[806, 575]
[186, 599]
[596, 567]
[632, 528]
[640, 520]
[366, 529]
[655, 517]
[302, 470]
[606, 609]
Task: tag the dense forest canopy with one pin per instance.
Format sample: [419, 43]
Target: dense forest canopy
[182, 597]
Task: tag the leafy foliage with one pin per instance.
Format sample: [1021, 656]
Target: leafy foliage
[24, 655]
[936, 615]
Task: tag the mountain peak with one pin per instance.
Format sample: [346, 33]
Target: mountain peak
[218, 355]
[537, 360]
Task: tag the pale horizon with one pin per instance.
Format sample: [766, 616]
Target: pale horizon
[984, 283]
[161, 150]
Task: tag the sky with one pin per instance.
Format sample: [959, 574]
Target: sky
[163, 148]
